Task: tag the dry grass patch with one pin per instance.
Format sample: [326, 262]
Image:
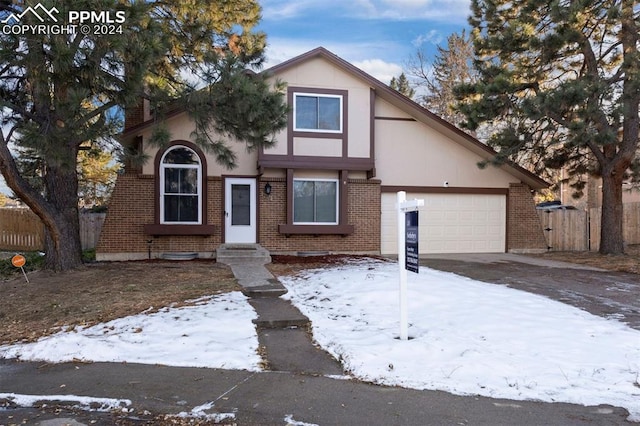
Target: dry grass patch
[102, 292]
[628, 262]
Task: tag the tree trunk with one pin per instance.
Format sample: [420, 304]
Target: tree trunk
[62, 240]
[611, 240]
[58, 209]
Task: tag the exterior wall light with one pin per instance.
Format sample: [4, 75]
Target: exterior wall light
[267, 188]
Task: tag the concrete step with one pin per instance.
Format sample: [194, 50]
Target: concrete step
[237, 253]
[269, 290]
[277, 313]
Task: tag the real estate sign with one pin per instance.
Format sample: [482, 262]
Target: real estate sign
[407, 251]
[412, 260]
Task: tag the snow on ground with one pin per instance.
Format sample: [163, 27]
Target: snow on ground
[81, 402]
[215, 332]
[467, 337]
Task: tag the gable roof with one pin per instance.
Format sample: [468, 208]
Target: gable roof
[415, 110]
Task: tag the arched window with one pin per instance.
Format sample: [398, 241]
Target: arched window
[180, 176]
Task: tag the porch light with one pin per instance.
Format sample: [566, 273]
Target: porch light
[267, 188]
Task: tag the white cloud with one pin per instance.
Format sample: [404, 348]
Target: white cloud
[434, 10]
[363, 56]
[285, 9]
[383, 71]
[431, 36]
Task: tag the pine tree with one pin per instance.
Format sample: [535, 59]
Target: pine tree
[97, 172]
[561, 80]
[59, 90]
[402, 85]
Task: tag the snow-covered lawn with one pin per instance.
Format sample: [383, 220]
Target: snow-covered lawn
[467, 337]
[214, 332]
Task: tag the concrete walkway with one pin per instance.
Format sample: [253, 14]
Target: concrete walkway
[283, 332]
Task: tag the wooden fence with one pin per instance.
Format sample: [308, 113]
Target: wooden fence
[579, 230]
[565, 230]
[90, 228]
[22, 230]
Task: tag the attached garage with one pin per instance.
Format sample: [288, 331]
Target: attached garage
[451, 223]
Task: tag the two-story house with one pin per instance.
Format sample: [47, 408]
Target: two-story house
[328, 184]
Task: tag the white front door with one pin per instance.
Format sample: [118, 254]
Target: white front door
[240, 210]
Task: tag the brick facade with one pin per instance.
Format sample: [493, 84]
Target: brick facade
[364, 215]
[132, 207]
[524, 229]
[134, 115]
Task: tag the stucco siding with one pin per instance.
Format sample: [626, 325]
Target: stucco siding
[181, 128]
[318, 73]
[411, 153]
[317, 147]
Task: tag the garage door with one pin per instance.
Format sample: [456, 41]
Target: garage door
[451, 223]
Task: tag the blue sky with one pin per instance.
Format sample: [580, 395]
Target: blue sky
[378, 36]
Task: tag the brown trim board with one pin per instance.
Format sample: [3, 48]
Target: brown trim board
[443, 190]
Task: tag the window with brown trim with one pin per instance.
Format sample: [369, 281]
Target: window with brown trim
[317, 206]
[314, 112]
[180, 177]
[315, 202]
[180, 192]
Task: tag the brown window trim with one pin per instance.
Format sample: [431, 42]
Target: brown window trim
[290, 229]
[343, 94]
[157, 228]
[342, 228]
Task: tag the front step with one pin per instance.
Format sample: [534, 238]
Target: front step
[277, 313]
[273, 288]
[238, 253]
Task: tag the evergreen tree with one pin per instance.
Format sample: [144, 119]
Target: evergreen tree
[97, 172]
[402, 85]
[561, 80]
[58, 90]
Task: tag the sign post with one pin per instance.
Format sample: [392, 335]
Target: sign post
[407, 251]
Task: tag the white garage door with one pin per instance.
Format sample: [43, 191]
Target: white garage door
[450, 223]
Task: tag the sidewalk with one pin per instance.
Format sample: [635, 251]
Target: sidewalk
[302, 385]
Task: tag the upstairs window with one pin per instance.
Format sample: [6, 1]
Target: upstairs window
[315, 202]
[180, 187]
[317, 113]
